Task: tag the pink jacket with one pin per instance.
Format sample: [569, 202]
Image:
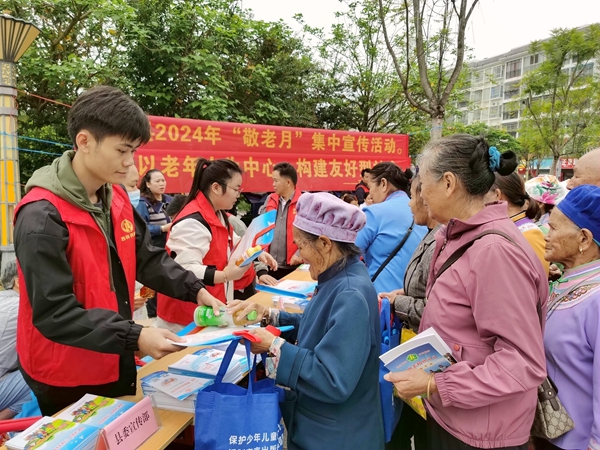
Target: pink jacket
[484, 307]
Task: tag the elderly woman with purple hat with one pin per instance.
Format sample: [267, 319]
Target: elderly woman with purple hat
[572, 333]
[332, 370]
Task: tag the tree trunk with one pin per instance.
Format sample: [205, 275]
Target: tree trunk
[555, 162]
[436, 127]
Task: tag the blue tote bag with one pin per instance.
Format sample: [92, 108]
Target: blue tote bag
[391, 329]
[231, 417]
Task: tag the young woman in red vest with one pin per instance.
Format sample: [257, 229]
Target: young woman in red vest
[201, 238]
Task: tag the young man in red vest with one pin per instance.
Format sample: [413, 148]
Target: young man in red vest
[284, 202]
[80, 247]
[361, 190]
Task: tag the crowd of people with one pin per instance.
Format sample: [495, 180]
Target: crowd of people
[464, 246]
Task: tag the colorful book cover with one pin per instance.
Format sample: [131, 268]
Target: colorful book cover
[427, 351]
[177, 386]
[290, 288]
[95, 410]
[51, 433]
[424, 357]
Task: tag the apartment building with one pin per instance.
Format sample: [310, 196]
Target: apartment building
[494, 94]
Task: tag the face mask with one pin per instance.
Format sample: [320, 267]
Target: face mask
[134, 197]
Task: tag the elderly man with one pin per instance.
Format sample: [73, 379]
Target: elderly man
[13, 389]
[587, 170]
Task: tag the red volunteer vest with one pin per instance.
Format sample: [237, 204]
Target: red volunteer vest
[273, 204]
[88, 255]
[176, 311]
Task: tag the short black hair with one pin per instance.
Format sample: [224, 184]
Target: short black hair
[106, 111]
[176, 205]
[362, 172]
[285, 169]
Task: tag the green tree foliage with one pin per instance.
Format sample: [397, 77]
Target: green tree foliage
[189, 58]
[426, 42]
[211, 60]
[499, 138]
[362, 91]
[562, 96]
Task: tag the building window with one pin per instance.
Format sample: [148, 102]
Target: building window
[476, 96]
[534, 59]
[498, 72]
[476, 115]
[477, 76]
[494, 112]
[511, 90]
[507, 115]
[587, 70]
[513, 68]
[496, 92]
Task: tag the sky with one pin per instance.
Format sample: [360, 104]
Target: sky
[496, 26]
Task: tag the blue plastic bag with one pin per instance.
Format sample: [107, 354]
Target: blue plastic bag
[231, 417]
[391, 329]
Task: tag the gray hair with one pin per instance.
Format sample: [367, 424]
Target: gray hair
[9, 275]
[468, 158]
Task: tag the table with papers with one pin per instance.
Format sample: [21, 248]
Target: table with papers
[173, 422]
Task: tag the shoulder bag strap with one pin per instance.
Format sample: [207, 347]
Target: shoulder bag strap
[394, 252]
[463, 248]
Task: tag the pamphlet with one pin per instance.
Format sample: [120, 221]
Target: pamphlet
[217, 335]
[51, 433]
[260, 232]
[427, 351]
[95, 410]
[177, 386]
[205, 363]
[292, 303]
[290, 288]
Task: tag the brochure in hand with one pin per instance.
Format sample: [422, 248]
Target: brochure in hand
[216, 335]
[260, 232]
[290, 288]
[428, 351]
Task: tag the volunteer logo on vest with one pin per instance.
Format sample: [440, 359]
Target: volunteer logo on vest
[127, 227]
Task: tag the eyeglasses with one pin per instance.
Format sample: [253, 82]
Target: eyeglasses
[239, 191]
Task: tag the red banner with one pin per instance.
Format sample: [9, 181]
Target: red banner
[326, 160]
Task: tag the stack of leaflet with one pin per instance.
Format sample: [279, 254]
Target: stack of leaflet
[205, 363]
[77, 427]
[173, 392]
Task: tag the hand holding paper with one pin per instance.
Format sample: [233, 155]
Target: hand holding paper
[411, 382]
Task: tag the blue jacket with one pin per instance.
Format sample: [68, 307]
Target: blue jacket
[387, 223]
[334, 367]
